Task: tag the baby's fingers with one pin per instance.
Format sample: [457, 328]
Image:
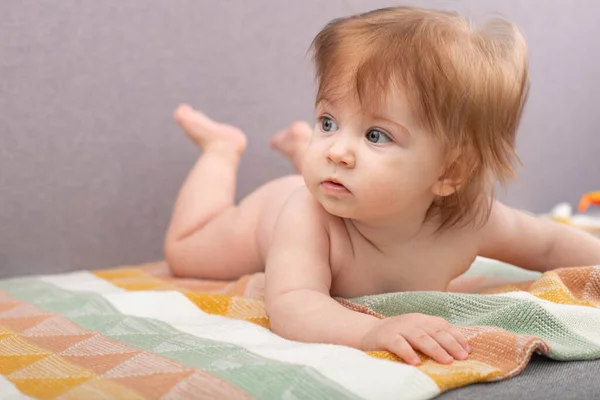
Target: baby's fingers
[423, 341]
[460, 338]
[450, 343]
[442, 325]
[400, 347]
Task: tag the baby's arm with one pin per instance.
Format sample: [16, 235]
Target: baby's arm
[535, 243]
[298, 281]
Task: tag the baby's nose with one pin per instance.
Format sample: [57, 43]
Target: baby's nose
[340, 153]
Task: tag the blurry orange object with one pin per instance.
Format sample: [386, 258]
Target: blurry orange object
[588, 199]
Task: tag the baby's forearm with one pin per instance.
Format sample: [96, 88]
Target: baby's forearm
[311, 316]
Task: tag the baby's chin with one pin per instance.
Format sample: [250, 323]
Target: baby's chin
[337, 208]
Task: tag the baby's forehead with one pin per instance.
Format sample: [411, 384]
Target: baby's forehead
[391, 104]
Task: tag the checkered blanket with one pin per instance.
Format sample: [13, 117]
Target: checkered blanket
[138, 333]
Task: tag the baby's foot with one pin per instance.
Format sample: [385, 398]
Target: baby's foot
[292, 142]
[208, 134]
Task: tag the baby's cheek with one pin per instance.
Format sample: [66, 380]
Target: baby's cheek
[372, 185]
[383, 191]
[309, 178]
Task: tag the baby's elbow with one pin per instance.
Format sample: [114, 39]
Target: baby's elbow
[172, 255]
[271, 308]
[279, 316]
[275, 318]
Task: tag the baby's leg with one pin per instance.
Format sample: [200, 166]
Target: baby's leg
[208, 236]
[292, 142]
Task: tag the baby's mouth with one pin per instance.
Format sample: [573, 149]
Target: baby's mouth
[334, 187]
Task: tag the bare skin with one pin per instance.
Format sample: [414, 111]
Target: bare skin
[292, 142]
[333, 232]
[205, 212]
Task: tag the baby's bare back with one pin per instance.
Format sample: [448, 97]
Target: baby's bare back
[427, 262]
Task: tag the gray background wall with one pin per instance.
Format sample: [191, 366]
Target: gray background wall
[90, 160]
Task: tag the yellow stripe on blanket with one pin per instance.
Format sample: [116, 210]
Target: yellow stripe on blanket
[104, 388]
[556, 288]
[39, 373]
[134, 279]
[447, 377]
[4, 333]
[233, 307]
[16, 353]
[49, 377]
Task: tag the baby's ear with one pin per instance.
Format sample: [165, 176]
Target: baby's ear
[453, 176]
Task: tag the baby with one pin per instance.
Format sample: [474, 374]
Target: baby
[416, 119]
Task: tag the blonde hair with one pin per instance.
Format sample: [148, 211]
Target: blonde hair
[466, 85]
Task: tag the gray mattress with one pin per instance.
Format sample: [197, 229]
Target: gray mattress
[542, 379]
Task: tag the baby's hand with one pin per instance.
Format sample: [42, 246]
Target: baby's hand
[433, 336]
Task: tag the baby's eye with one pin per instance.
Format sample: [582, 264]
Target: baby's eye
[376, 136]
[327, 125]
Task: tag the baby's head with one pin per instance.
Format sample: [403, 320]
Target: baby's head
[463, 87]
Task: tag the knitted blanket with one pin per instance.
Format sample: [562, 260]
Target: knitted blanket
[138, 333]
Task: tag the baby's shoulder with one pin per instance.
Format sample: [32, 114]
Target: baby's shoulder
[458, 237]
[480, 230]
[302, 222]
[301, 200]
[302, 206]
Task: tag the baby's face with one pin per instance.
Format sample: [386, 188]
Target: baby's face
[371, 165]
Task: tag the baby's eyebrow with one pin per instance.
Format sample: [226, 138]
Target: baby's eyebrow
[391, 121]
[324, 102]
